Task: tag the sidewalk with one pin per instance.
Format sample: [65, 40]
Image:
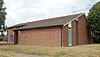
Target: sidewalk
[14, 54]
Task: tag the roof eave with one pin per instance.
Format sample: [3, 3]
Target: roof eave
[36, 27]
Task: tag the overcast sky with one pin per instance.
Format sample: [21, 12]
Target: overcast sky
[19, 11]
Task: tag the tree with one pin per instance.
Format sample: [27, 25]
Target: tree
[93, 19]
[2, 17]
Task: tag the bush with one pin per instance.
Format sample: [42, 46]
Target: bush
[1, 38]
[96, 40]
[5, 39]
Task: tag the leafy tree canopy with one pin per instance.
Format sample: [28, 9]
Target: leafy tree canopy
[94, 22]
[2, 17]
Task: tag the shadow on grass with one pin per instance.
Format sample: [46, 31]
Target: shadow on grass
[5, 43]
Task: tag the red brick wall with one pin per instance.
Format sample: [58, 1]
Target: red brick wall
[15, 37]
[74, 32]
[9, 33]
[82, 31]
[52, 36]
[65, 36]
[41, 37]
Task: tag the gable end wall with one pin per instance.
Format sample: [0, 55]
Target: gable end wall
[82, 31]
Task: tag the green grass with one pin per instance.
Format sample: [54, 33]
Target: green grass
[5, 43]
[90, 50]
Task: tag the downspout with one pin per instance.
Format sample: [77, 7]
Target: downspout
[7, 35]
[61, 36]
[76, 32]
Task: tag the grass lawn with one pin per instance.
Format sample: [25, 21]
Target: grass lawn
[90, 50]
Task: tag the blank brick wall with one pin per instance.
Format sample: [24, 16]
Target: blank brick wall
[41, 37]
[65, 35]
[74, 32]
[82, 31]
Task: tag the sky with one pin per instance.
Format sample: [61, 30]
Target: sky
[20, 11]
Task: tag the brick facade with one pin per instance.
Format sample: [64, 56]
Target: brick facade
[82, 31]
[9, 33]
[53, 35]
[41, 37]
[74, 32]
[79, 31]
[65, 36]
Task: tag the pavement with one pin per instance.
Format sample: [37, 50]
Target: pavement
[15, 54]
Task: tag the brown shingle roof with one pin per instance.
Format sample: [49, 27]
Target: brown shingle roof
[19, 25]
[49, 22]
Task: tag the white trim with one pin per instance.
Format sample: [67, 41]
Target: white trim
[69, 45]
[74, 19]
[14, 28]
[70, 25]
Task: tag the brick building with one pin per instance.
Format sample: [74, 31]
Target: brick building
[59, 31]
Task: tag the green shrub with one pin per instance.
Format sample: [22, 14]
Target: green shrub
[5, 39]
[1, 38]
